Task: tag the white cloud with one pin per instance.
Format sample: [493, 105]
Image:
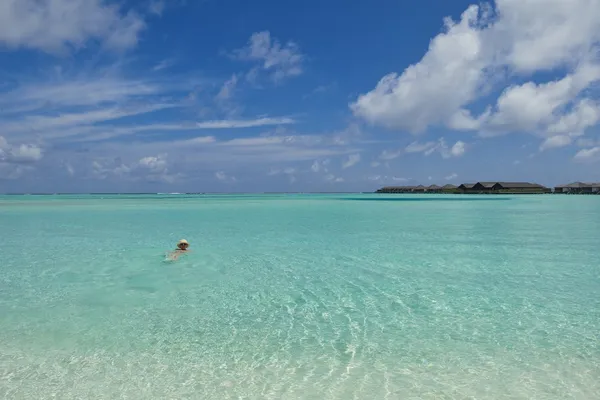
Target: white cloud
[428, 148]
[432, 90]
[451, 177]
[458, 149]
[164, 64]
[156, 164]
[228, 88]
[34, 123]
[279, 61]
[26, 153]
[416, 147]
[103, 168]
[333, 178]
[148, 168]
[315, 167]
[228, 124]
[556, 141]
[381, 178]
[350, 134]
[533, 107]
[224, 177]
[70, 169]
[23, 153]
[588, 155]
[99, 90]
[474, 57]
[545, 34]
[375, 164]
[585, 114]
[55, 26]
[387, 155]
[352, 160]
[290, 172]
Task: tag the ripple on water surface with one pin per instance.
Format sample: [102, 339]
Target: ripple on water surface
[301, 297]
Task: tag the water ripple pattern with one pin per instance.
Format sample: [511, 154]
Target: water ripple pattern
[300, 297]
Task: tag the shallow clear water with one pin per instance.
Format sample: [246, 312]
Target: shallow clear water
[300, 297]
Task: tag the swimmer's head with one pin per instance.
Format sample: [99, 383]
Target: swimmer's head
[183, 244]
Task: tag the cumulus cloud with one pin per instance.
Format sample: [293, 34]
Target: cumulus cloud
[451, 177]
[279, 61]
[26, 153]
[155, 164]
[458, 149]
[433, 90]
[23, 153]
[473, 58]
[352, 160]
[55, 26]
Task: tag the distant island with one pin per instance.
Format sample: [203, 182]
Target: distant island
[497, 188]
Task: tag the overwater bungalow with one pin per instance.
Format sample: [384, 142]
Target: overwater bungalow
[396, 189]
[466, 187]
[473, 188]
[503, 188]
[578, 188]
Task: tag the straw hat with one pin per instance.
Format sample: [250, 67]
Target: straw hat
[183, 241]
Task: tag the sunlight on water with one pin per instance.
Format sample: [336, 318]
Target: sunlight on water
[300, 297]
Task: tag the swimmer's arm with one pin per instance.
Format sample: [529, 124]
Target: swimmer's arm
[174, 255]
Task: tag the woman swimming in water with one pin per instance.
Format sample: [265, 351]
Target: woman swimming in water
[182, 248]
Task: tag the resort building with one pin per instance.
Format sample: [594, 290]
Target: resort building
[578, 188]
[472, 188]
[504, 187]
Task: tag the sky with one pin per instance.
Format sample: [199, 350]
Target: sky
[268, 96]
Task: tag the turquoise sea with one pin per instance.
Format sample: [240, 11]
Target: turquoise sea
[300, 297]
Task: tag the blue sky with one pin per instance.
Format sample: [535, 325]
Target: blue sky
[174, 96]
